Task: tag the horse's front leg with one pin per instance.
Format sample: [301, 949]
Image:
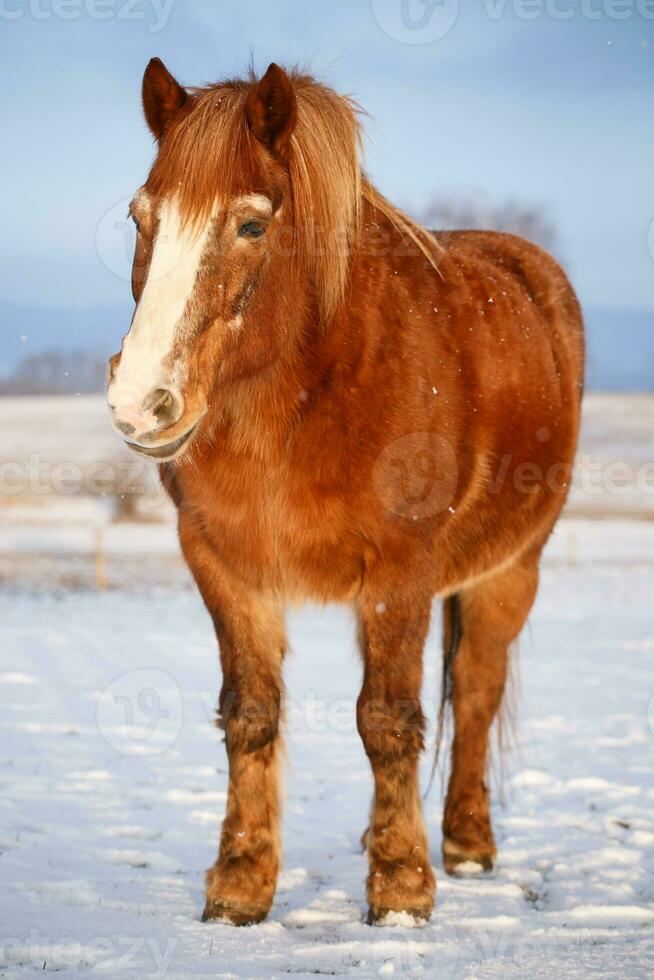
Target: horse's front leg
[391, 723]
[241, 884]
[250, 629]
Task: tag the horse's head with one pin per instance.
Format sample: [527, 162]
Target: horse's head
[210, 231]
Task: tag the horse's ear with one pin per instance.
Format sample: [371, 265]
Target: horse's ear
[271, 110]
[162, 95]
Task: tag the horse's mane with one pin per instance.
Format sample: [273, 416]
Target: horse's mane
[327, 184]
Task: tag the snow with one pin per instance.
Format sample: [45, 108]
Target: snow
[114, 783]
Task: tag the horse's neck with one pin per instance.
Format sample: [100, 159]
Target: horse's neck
[259, 413]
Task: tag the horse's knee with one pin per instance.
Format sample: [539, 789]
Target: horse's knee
[249, 723]
[390, 731]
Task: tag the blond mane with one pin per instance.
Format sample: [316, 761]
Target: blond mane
[327, 184]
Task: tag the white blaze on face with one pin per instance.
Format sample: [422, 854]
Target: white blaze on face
[171, 278]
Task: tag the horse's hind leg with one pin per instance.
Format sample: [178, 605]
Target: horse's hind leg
[390, 721]
[483, 619]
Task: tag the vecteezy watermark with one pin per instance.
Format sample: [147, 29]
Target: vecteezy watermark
[141, 712]
[115, 243]
[452, 944]
[115, 240]
[415, 21]
[40, 477]
[154, 12]
[404, 953]
[143, 954]
[416, 475]
[426, 21]
[567, 9]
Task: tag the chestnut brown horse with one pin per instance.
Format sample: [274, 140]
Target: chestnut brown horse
[346, 408]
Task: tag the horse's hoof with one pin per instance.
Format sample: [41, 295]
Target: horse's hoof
[399, 893]
[462, 860]
[216, 911]
[237, 892]
[379, 917]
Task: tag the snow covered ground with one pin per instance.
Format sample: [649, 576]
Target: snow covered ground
[114, 780]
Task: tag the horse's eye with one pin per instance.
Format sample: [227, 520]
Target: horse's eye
[251, 229]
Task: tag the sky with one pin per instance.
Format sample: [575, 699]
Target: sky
[544, 102]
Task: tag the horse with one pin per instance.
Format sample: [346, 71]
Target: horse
[345, 407]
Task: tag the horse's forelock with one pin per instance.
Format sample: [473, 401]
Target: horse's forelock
[211, 154]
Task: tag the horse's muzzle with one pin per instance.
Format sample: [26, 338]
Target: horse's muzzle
[153, 425]
[164, 453]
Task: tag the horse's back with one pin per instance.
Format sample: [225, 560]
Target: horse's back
[497, 257]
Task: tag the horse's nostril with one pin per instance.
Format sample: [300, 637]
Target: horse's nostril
[162, 404]
[158, 401]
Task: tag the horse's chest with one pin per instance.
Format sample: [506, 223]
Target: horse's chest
[281, 528]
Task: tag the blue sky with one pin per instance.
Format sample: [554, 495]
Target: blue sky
[517, 100]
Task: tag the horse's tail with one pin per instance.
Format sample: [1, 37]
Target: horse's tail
[505, 718]
[452, 633]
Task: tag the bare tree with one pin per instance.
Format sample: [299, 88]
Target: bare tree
[519, 219]
[57, 372]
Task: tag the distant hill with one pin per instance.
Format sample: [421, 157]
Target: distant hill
[620, 342]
